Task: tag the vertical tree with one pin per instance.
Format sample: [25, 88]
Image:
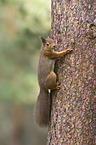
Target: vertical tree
[73, 106]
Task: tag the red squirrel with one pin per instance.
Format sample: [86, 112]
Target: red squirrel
[46, 79]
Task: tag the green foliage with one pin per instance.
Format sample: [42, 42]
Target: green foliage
[21, 24]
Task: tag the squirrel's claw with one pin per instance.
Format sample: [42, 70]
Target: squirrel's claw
[68, 50]
[58, 86]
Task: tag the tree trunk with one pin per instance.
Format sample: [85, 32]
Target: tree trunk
[73, 106]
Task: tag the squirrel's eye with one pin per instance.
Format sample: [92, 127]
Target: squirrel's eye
[47, 44]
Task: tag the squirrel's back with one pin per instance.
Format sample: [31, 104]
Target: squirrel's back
[44, 68]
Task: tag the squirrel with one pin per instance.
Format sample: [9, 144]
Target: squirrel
[46, 79]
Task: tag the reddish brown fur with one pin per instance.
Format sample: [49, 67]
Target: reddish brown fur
[47, 80]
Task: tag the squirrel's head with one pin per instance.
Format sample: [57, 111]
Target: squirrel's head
[48, 43]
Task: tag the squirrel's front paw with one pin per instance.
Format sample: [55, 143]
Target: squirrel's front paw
[68, 50]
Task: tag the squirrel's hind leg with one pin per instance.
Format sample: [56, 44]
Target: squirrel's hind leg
[50, 82]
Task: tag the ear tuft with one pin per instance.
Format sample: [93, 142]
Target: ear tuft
[43, 40]
[49, 36]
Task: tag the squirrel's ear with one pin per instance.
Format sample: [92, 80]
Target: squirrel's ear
[43, 40]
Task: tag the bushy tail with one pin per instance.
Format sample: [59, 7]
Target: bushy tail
[42, 108]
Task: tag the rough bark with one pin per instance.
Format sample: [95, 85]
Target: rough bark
[73, 110]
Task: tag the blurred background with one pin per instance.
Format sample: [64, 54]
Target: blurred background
[21, 24]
